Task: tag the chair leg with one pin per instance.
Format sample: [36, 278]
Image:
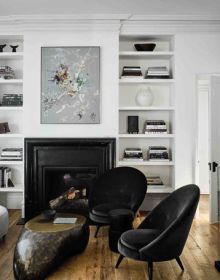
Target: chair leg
[120, 258]
[180, 263]
[97, 230]
[150, 270]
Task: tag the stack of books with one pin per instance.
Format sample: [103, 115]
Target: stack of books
[11, 154]
[5, 177]
[155, 126]
[12, 100]
[133, 154]
[158, 153]
[157, 72]
[154, 180]
[6, 72]
[131, 72]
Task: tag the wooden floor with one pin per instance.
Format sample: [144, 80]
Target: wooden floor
[97, 262]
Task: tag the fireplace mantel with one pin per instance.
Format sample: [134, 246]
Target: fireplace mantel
[60, 152]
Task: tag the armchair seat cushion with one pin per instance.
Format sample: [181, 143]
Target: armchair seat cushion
[132, 241]
[105, 208]
[138, 238]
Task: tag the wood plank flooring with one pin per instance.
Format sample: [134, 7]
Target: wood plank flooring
[97, 262]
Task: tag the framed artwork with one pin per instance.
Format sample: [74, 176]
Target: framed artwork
[70, 85]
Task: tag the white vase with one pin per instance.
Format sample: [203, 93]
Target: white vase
[144, 97]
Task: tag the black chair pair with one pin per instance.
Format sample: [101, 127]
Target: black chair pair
[163, 233]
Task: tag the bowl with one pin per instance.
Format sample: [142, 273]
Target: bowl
[145, 47]
[49, 214]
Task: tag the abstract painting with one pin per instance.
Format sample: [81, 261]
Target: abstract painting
[70, 85]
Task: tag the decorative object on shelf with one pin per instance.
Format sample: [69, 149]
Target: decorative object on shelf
[4, 128]
[2, 47]
[158, 153]
[157, 73]
[154, 180]
[11, 154]
[12, 100]
[70, 85]
[155, 126]
[14, 48]
[144, 97]
[145, 47]
[133, 154]
[5, 177]
[6, 73]
[133, 126]
[131, 72]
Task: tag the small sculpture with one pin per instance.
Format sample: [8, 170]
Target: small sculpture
[14, 48]
[2, 47]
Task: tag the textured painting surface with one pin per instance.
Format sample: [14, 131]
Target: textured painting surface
[70, 85]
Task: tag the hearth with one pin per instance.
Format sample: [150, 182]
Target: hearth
[52, 165]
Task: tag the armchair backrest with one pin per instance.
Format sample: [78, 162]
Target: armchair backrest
[122, 185]
[173, 217]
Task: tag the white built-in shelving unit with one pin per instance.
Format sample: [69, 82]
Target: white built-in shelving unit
[13, 196]
[163, 106]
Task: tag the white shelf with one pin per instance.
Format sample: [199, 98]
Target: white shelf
[11, 108]
[11, 81]
[11, 55]
[8, 162]
[11, 135]
[145, 81]
[145, 162]
[137, 54]
[146, 135]
[16, 189]
[159, 189]
[139, 108]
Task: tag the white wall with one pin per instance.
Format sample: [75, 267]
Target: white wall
[196, 53]
[108, 41]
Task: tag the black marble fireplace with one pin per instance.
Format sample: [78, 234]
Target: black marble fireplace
[50, 161]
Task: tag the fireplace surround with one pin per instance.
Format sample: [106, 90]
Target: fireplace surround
[49, 159]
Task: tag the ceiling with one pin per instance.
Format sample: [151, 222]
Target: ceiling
[206, 8]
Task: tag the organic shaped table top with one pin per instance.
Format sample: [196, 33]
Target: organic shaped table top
[40, 224]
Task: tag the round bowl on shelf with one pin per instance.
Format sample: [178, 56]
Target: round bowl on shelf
[145, 47]
[49, 214]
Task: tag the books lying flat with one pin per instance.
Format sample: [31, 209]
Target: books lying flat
[131, 71]
[11, 154]
[154, 180]
[63, 220]
[157, 72]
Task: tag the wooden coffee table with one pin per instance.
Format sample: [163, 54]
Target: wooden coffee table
[42, 245]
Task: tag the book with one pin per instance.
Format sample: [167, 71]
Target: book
[64, 220]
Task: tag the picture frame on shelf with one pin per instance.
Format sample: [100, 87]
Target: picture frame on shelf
[70, 85]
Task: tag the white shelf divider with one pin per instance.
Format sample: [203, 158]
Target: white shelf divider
[16, 189]
[137, 54]
[139, 108]
[145, 81]
[11, 162]
[159, 189]
[146, 135]
[11, 55]
[11, 81]
[145, 162]
[11, 135]
[11, 108]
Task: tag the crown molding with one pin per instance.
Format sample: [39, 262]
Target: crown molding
[126, 23]
[132, 26]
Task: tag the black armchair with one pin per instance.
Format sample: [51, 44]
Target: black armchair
[163, 234]
[118, 188]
